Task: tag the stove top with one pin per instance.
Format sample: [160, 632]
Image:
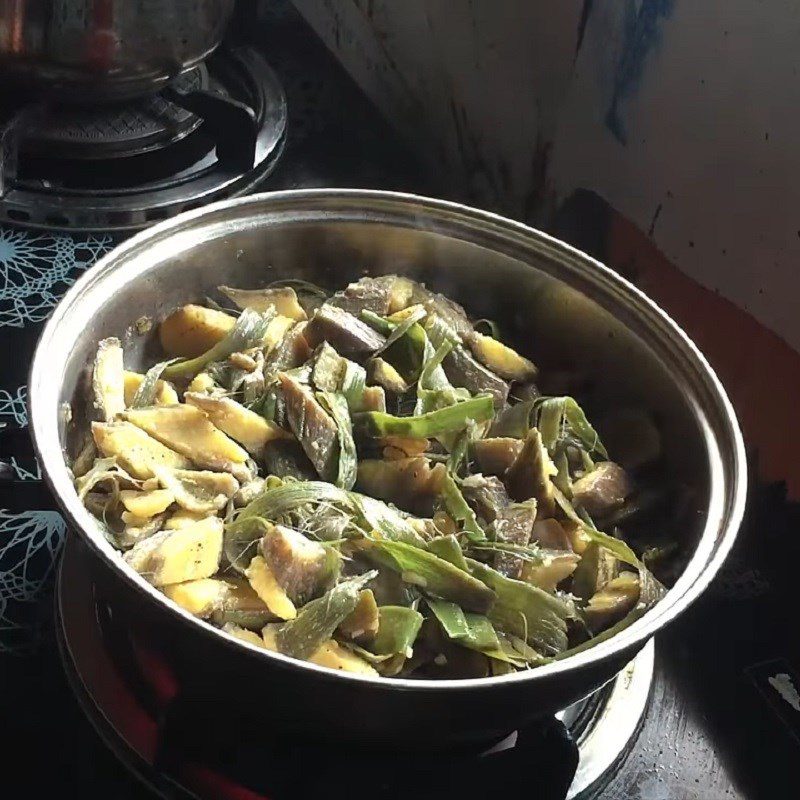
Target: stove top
[113, 130]
[129, 696]
[217, 132]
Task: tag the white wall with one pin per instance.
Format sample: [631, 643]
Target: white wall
[705, 130]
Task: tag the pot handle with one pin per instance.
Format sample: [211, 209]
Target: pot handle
[233, 123]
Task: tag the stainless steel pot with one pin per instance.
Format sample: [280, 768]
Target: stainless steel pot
[94, 50]
[566, 305]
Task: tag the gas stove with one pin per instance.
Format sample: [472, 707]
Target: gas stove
[216, 132]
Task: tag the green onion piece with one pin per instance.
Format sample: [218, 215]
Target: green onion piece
[281, 499]
[448, 548]
[248, 332]
[458, 454]
[316, 621]
[146, 393]
[471, 630]
[336, 405]
[559, 413]
[405, 348]
[514, 422]
[377, 322]
[433, 423]
[459, 509]
[388, 521]
[240, 540]
[431, 574]
[450, 617]
[354, 381]
[402, 328]
[398, 627]
[103, 469]
[616, 547]
[524, 610]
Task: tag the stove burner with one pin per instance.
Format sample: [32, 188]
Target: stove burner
[124, 129]
[170, 762]
[215, 134]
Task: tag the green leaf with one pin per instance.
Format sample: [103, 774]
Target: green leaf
[398, 627]
[336, 405]
[431, 574]
[248, 332]
[459, 509]
[458, 454]
[241, 538]
[284, 498]
[559, 414]
[616, 547]
[316, 621]
[514, 422]
[433, 423]
[354, 381]
[470, 630]
[448, 548]
[146, 393]
[525, 610]
[377, 322]
[402, 328]
[388, 521]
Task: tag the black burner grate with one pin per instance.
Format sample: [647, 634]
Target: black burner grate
[120, 129]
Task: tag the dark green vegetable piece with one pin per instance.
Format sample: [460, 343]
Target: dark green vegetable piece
[485, 494]
[433, 423]
[464, 370]
[248, 332]
[595, 569]
[316, 621]
[513, 525]
[432, 575]
[613, 602]
[400, 329]
[515, 421]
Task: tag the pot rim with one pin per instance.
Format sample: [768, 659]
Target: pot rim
[728, 475]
